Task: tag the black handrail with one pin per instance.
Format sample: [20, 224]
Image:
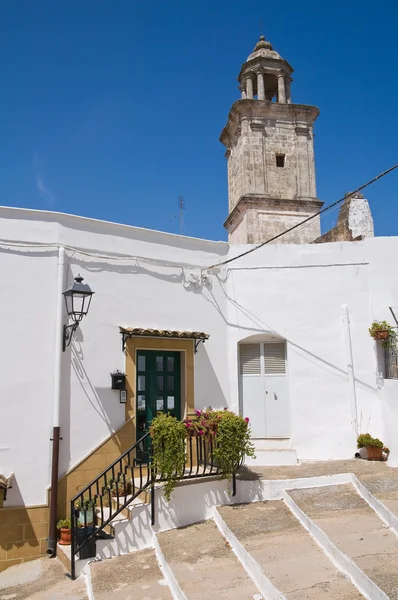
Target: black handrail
[94, 494]
[199, 462]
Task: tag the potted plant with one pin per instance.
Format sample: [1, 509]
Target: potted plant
[64, 527]
[374, 446]
[85, 507]
[168, 443]
[119, 488]
[381, 330]
[386, 453]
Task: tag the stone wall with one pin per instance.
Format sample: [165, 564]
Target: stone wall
[354, 222]
[23, 534]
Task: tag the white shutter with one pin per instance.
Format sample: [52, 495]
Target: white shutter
[274, 359]
[250, 359]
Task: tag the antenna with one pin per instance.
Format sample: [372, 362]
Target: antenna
[261, 26]
[181, 207]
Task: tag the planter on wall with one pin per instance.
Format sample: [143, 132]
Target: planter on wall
[374, 453]
[65, 536]
[382, 334]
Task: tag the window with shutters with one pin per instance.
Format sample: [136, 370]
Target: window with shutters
[274, 359]
[250, 359]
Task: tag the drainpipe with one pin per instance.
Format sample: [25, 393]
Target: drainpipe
[350, 370]
[52, 534]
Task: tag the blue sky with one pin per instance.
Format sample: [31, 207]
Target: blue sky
[113, 109]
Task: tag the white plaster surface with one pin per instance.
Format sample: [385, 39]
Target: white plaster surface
[360, 219]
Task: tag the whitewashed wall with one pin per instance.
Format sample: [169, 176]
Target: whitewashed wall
[295, 292]
[127, 293]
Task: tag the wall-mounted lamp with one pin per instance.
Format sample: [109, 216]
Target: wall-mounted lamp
[77, 299]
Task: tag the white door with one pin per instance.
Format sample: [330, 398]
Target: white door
[264, 389]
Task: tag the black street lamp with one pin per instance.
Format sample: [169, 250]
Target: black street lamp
[77, 299]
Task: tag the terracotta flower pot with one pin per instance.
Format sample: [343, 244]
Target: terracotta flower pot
[381, 334]
[65, 536]
[374, 453]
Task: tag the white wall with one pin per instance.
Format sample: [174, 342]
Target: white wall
[295, 292]
[128, 293]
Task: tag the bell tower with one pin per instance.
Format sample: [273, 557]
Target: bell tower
[270, 153]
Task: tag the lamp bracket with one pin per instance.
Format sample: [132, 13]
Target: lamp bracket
[68, 334]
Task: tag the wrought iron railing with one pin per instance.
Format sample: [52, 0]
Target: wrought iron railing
[391, 360]
[96, 505]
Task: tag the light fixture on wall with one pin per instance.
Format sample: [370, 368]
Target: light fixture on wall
[77, 299]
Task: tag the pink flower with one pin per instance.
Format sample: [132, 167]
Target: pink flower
[247, 419]
[200, 432]
[198, 413]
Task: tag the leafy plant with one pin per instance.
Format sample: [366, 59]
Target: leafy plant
[85, 504]
[386, 450]
[378, 326]
[64, 524]
[168, 442]
[233, 442]
[230, 434]
[120, 488]
[365, 439]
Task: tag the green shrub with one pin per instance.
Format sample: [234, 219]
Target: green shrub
[232, 442]
[365, 439]
[64, 524]
[168, 442]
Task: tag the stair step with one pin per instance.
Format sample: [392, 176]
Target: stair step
[136, 575]
[204, 564]
[354, 527]
[384, 486]
[288, 555]
[267, 457]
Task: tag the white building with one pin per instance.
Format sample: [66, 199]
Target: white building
[288, 346]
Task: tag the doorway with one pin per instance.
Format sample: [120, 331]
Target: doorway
[264, 388]
[158, 388]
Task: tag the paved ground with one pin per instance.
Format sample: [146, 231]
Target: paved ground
[355, 529]
[133, 576]
[287, 553]
[206, 567]
[204, 564]
[42, 579]
[360, 468]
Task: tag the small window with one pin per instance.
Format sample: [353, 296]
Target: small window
[280, 160]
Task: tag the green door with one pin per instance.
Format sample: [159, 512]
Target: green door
[158, 390]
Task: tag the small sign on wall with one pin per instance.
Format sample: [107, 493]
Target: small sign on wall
[123, 396]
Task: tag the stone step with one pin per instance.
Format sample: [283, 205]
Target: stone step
[136, 575]
[353, 526]
[269, 457]
[204, 565]
[287, 554]
[384, 486]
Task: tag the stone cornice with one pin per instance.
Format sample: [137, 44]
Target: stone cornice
[259, 202]
[303, 115]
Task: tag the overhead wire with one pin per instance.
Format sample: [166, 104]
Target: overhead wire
[163, 263]
[305, 221]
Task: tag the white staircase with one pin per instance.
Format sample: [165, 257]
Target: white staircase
[316, 538]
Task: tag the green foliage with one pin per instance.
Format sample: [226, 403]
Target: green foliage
[365, 439]
[168, 441]
[85, 504]
[64, 524]
[383, 326]
[232, 442]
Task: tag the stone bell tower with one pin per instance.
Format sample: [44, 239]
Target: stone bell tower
[270, 154]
